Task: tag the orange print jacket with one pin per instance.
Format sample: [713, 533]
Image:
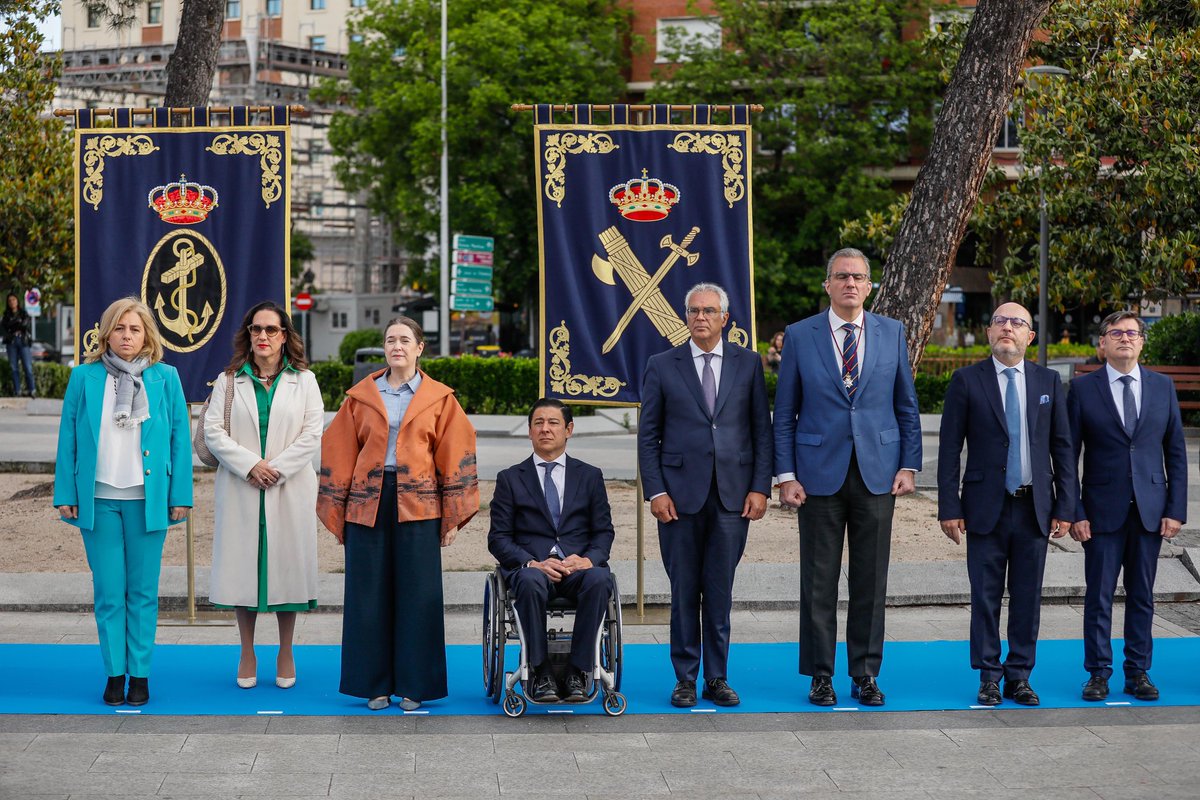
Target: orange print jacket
[435, 460]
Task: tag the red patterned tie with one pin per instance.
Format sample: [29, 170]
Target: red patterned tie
[849, 359]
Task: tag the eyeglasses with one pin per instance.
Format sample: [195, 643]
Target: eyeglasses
[1132, 336]
[270, 330]
[707, 311]
[1017, 323]
[850, 277]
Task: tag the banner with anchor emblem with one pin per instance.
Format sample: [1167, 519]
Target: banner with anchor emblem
[191, 214]
[631, 217]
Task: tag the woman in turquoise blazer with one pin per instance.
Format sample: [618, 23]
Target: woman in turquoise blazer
[124, 475]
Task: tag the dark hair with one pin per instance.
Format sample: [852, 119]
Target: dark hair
[1117, 316]
[293, 345]
[550, 402]
[409, 323]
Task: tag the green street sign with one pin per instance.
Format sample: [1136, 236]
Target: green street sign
[461, 287]
[471, 303]
[472, 273]
[483, 244]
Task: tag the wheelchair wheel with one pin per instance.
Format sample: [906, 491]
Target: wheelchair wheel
[615, 704]
[514, 704]
[493, 639]
[611, 657]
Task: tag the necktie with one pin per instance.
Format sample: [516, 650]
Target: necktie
[1130, 405]
[849, 360]
[1012, 419]
[708, 383]
[551, 493]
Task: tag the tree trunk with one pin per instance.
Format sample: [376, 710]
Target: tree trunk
[194, 62]
[977, 101]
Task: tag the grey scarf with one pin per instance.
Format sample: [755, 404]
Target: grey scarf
[131, 408]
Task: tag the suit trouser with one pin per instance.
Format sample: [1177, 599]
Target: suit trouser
[701, 552]
[532, 590]
[1016, 547]
[1134, 549]
[125, 559]
[393, 626]
[853, 513]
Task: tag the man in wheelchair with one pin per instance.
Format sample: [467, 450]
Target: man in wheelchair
[551, 532]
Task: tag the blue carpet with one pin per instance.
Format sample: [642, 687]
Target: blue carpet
[198, 679]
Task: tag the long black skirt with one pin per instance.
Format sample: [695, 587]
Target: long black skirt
[393, 631]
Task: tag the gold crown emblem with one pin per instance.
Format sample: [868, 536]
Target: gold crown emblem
[644, 199]
[183, 202]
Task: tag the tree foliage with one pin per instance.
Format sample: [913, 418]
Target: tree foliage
[389, 140]
[35, 158]
[1116, 145]
[844, 91]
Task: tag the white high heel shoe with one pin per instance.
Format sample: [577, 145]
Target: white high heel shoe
[247, 683]
[285, 683]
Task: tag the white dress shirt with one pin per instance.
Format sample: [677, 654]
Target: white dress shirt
[1002, 382]
[1118, 389]
[698, 360]
[119, 462]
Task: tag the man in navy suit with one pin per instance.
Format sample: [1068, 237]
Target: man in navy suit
[1126, 420]
[704, 446]
[847, 442]
[1018, 488]
[551, 532]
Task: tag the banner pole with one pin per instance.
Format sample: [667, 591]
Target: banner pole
[641, 546]
[191, 547]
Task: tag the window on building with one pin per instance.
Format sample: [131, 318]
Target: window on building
[316, 5]
[358, 3]
[233, 9]
[93, 18]
[356, 38]
[1009, 137]
[339, 321]
[274, 8]
[675, 34]
[316, 43]
[941, 19]
[154, 12]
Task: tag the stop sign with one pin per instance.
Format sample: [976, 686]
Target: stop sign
[303, 301]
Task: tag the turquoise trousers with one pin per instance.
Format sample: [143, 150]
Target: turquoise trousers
[125, 559]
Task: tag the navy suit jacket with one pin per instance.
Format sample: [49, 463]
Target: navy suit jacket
[1150, 467]
[974, 413]
[521, 527]
[680, 444]
[817, 425]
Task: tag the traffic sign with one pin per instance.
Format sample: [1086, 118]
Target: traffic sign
[483, 244]
[472, 273]
[474, 257]
[471, 303]
[33, 302]
[469, 287]
[303, 301]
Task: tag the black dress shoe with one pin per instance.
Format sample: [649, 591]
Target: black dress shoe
[139, 691]
[114, 691]
[575, 690]
[822, 693]
[989, 693]
[866, 691]
[1021, 693]
[1095, 689]
[720, 692]
[544, 688]
[684, 695]
[1140, 687]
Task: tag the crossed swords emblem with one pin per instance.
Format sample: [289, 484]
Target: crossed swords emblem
[642, 285]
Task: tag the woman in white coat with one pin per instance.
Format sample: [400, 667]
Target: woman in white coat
[265, 535]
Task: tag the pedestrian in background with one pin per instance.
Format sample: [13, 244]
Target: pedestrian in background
[17, 330]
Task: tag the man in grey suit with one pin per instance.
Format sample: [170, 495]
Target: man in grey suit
[704, 445]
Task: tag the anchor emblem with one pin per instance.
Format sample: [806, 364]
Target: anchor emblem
[184, 284]
[186, 322]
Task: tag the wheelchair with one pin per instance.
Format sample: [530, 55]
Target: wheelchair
[501, 626]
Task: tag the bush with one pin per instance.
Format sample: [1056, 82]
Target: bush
[50, 379]
[333, 377]
[931, 392]
[489, 385]
[1174, 341]
[364, 337]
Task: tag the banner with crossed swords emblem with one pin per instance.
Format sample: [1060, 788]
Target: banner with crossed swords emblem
[631, 217]
[194, 220]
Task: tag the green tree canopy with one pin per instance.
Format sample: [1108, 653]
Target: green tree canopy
[1116, 145]
[845, 92]
[35, 158]
[501, 53]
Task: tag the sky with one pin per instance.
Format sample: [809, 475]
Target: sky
[51, 28]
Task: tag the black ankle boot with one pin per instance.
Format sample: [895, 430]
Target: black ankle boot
[114, 691]
[139, 691]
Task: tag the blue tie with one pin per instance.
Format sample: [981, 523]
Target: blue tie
[1012, 418]
[1130, 407]
[551, 493]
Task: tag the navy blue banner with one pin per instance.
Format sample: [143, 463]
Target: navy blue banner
[192, 220]
[630, 218]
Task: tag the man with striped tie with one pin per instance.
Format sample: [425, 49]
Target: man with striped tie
[847, 442]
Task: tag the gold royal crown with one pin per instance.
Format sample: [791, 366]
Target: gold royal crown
[183, 202]
[644, 199]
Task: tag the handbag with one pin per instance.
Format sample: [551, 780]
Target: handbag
[199, 445]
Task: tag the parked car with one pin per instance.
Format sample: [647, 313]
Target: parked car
[366, 361]
[41, 351]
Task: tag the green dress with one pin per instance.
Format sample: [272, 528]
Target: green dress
[264, 397]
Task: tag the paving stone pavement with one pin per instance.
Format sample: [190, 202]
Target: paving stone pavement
[1072, 754]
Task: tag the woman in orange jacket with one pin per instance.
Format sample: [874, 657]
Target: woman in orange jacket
[398, 481]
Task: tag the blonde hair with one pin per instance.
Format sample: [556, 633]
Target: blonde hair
[152, 349]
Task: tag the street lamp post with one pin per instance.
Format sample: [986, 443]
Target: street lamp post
[444, 276]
